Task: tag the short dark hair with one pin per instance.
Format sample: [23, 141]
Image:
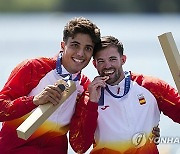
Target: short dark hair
[81, 25]
[107, 41]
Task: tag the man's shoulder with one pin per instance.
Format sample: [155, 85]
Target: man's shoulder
[141, 78]
[34, 62]
[149, 82]
[41, 60]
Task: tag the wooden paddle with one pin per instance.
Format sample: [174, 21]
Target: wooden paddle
[172, 56]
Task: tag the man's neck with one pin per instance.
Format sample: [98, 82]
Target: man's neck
[119, 80]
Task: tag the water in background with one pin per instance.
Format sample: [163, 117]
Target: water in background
[25, 36]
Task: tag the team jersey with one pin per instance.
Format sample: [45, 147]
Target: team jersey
[123, 125]
[16, 104]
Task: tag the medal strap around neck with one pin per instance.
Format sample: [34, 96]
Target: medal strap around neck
[126, 89]
[66, 76]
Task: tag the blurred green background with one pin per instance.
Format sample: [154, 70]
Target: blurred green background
[114, 6]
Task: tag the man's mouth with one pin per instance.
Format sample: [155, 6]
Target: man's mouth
[78, 60]
[108, 72]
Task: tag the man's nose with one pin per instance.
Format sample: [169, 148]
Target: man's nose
[80, 52]
[107, 65]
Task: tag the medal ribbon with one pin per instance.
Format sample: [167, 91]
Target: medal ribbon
[66, 76]
[126, 89]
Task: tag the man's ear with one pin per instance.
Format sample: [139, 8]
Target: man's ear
[94, 63]
[62, 45]
[123, 59]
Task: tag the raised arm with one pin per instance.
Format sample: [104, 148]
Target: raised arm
[84, 121]
[83, 124]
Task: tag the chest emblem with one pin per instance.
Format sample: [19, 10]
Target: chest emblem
[141, 99]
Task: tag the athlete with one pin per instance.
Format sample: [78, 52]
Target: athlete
[120, 108]
[33, 82]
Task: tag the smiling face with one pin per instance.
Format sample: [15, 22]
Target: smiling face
[108, 62]
[77, 52]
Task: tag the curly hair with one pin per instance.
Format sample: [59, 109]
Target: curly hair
[107, 41]
[81, 25]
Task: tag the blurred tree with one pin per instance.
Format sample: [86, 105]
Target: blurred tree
[150, 6]
[169, 6]
[114, 6]
[146, 6]
[89, 6]
[27, 5]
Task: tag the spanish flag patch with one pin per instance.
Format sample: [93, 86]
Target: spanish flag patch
[141, 99]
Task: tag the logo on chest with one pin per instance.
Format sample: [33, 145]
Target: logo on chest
[105, 107]
[141, 99]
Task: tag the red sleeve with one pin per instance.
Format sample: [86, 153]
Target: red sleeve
[83, 124]
[167, 97]
[14, 101]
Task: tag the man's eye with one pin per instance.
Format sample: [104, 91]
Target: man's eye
[89, 48]
[113, 59]
[100, 61]
[74, 45]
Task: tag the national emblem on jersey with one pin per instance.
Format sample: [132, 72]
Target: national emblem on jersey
[141, 99]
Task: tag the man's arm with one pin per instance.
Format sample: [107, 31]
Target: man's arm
[84, 121]
[167, 97]
[14, 99]
[42, 112]
[83, 124]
